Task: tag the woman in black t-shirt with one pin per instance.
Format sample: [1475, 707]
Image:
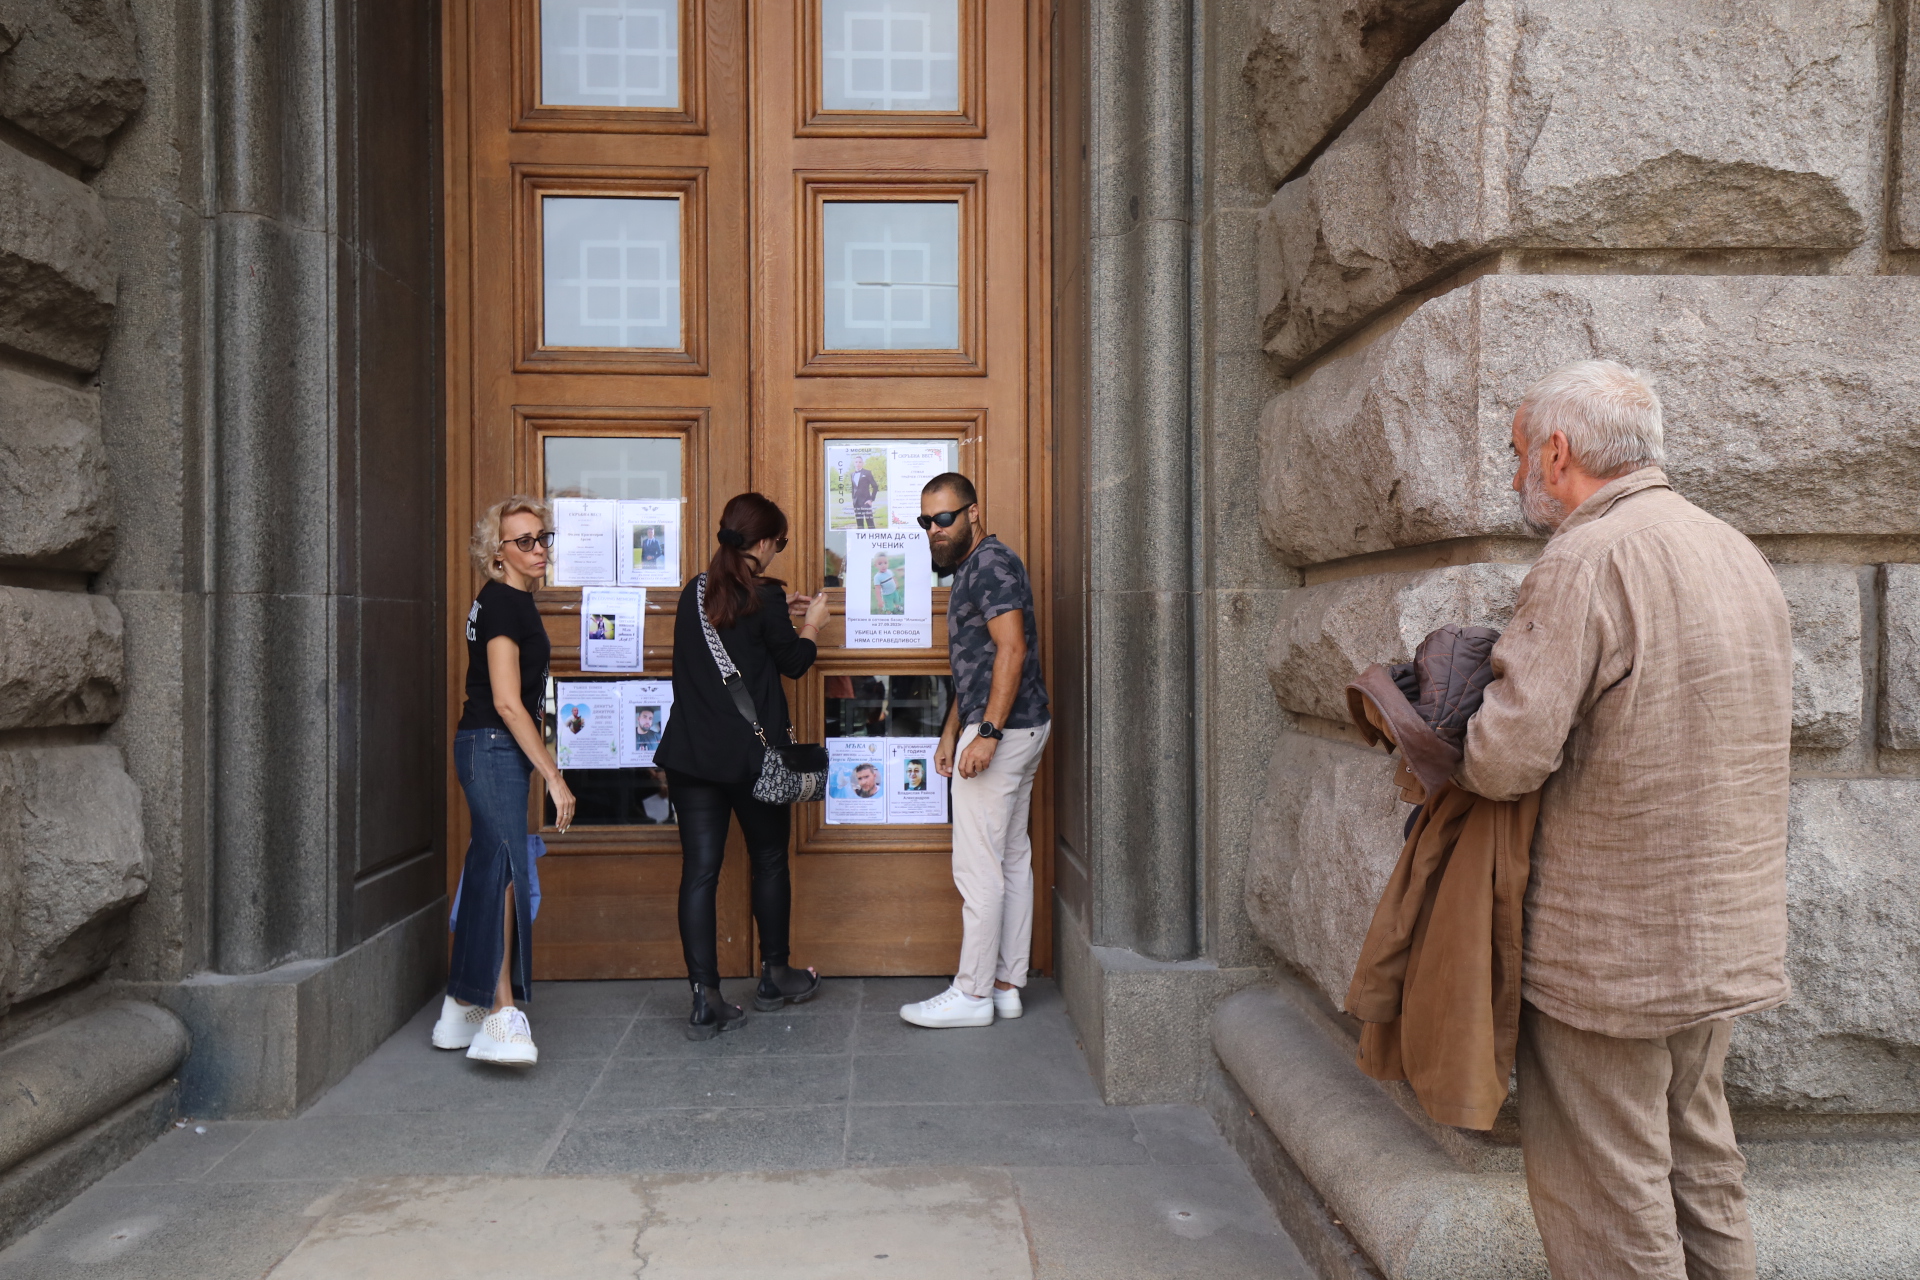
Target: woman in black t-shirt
[712, 757]
[496, 749]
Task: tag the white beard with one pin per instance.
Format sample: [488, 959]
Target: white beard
[1542, 511]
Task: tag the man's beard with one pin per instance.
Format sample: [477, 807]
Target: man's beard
[1542, 511]
[953, 551]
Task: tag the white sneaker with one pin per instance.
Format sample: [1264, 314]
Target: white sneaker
[951, 1008]
[457, 1023]
[1006, 1004]
[505, 1038]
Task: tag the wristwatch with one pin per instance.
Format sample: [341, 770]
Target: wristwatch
[988, 730]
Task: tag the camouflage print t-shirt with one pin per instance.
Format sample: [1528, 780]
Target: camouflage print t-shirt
[988, 583]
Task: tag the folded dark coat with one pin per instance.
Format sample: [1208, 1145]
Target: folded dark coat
[1438, 982]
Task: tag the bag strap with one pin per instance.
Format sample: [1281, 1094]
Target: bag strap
[729, 674]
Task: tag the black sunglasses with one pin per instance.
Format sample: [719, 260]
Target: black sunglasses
[944, 519]
[528, 541]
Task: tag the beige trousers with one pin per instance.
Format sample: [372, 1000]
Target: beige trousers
[993, 860]
[1631, 1161]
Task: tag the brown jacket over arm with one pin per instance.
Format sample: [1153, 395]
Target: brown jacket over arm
[1646, 685]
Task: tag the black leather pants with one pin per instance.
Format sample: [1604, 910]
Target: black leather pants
[703, 808]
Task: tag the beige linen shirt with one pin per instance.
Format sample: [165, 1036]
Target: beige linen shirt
[1646, 683]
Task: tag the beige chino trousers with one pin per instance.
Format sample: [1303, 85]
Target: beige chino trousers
[993, 860]
[1631, 1161]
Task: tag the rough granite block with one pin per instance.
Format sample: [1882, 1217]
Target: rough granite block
[1325, 839]
[70, 71]
[1789, 408]
[1900, 657]
[1829, 683]
[56, 500]
[56, 264]
[61, 658]
[72, 859]
[1314, 61]
[1587, 124]
[1329, 633]
[1849, 1039]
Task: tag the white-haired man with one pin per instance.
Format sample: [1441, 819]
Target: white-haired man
[1646, 682]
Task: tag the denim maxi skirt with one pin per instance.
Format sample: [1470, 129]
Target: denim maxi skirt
[494, 773]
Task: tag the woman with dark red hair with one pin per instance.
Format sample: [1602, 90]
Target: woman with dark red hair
[712, 757]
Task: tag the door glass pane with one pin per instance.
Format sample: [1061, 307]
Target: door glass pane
[883, 706]
[617, 798]
[610, 53]
[629, 468]
[890, 55]
[892, 275]
[612, 272]
[875, 484]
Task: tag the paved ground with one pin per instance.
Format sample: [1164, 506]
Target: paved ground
[825, 1141]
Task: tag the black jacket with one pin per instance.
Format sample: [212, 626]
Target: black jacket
[706, 735]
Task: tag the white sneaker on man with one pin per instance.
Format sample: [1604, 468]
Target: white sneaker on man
[1006, 1004]
[458, 1023]
[951, 1008]
[505, 1038]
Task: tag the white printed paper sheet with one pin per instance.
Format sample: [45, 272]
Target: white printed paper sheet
[856, 780]
[645, 706]
[613, 628]
[909, 467]
[585, 734]
[583, 542]
[889, 579]
[647, 536]
[916, 793]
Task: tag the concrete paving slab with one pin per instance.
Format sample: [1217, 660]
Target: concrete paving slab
[1181, 1135]
[450, 1082]
[1168, 1222]
[783, 1033]
[613, 999]
[974, 1073]
[185, 1152]
[999, 1133]
[714, 1140]
[635, 1084]
[932, 1224]
[365, 1146]
[177, 1231]
[882, 1031]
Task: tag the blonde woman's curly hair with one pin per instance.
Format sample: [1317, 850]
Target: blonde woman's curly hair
[485, 547]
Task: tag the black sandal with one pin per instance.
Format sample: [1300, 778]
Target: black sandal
[783, 984]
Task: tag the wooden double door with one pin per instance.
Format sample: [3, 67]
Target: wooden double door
[697, 247]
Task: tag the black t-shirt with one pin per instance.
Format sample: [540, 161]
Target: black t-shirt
[501, 610]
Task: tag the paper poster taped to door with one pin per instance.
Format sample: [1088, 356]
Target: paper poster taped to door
[889, 579]
[916, 793]
[645, 706]
[909, 467]
[613, 628]
[582, 542]
[857, 486]
[647, 537]
[856, 780]
[585, 734]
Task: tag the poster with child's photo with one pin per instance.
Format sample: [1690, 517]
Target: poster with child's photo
[856, 486]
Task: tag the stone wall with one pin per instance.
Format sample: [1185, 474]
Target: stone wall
[73, 857]
[1484, 191]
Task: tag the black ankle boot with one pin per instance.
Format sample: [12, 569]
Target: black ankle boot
[712, 1014]
[782, 984]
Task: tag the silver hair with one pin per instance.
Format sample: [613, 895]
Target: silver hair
[1608, 412]
[485, 546]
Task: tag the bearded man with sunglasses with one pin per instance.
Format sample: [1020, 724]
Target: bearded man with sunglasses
[996, 728]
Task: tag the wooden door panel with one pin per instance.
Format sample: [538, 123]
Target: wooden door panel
[753, 386]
